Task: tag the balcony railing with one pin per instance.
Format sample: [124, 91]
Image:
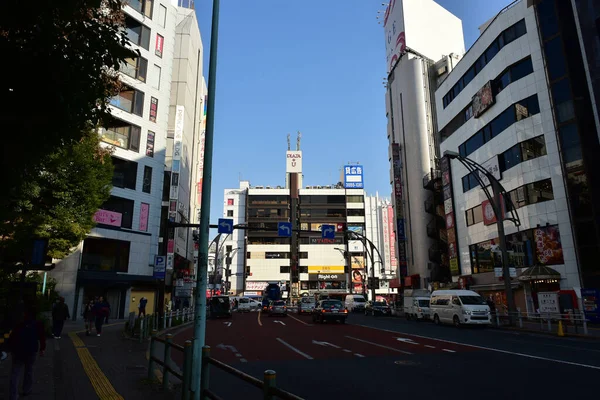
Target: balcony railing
[429, 180]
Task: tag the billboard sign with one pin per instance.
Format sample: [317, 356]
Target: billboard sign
[393, 25]
[353, 177]
[107, 217]
[483, 100]
[493, 168]
[335, 269]
[392, 239]
[293, 162]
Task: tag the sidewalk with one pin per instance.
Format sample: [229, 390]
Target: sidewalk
[90, 367]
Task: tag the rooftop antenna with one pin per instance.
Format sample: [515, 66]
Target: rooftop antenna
[288, 139]
[298, 141]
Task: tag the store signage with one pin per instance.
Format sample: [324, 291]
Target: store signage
[393, 26]
[353, 177]
[319, 240]
[493, 168]
[326, 277]
[483, 100]
[293, 162]
[450, 217]
[106, 217]
[337, 269]
[158, 48]
[144, 213]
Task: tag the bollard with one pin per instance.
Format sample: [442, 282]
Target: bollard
[167, 361]
[171, 319]
[164, 320]
[268, 383]
[151, 352]
[584, 321]
[520, 318]
[187, 369]
[549, 324]
[497, 319]
[205, 371]
[141, 329]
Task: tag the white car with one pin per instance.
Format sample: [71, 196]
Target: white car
[246, 304]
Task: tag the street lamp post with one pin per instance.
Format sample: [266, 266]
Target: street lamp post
[495, 199]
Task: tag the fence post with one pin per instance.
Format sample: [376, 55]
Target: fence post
[584, 321]
[171, 319]
[167, 361]
[268, 383]
[549, 324]
[541, 322]
[150, 361]
[141, 329]
[205, 371]
[187, 370]
[520, 318]
[497, 319]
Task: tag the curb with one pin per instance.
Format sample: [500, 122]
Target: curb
[546, 333]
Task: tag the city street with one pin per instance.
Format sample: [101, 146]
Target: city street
[382, 355]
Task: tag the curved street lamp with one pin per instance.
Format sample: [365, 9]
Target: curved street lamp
[495, 199]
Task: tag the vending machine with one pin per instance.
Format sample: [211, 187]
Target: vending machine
[590, 298]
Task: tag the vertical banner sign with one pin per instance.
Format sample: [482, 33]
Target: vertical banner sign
[392, 238]
[393, 25]
[150, 144]
[399, 206]
[160, 43]
[144, 214]
[453, 261]
[200, 168]
[153, 108]
[387, 245]
[175, 169]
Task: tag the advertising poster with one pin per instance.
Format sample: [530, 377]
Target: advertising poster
[106, 217]
[548, 246]
[353, 177]
[144, 213]
[150, 144]
[393, 25]
[160, 43]
[153, 108]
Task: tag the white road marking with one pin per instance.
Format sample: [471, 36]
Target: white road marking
[227, 347]
[289, 346]
[348, 351]
[243, 360]
[431, 347]
[379, 345]
[280, 322]
[491, 349]
[406, 340]
[227, 323]
[299, 320]
[238, 355]
[359, 355]
[449, 351]
[325, 344]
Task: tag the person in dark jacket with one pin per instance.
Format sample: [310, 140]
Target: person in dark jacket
[88, 317]
[101, 311]
[60, 313]
[26, 339]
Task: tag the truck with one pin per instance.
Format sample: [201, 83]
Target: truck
[416, 304]
[271, 293]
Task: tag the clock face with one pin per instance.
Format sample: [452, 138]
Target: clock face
[489, 212]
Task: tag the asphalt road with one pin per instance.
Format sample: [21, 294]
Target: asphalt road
[379, 356]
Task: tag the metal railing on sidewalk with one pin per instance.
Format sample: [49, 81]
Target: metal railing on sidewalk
[143, 326]
[268, 385]
[570, 323]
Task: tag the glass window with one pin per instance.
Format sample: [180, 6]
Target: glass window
[487, 133]
[137, 33]
[135, 67]
[533, 148]
[230, 202]
[477, 214]
[105, 255]
[355, 199]
[520, 28]
[474, 142]
[121, 206]
[122, 134]
[469, 217]
[521, 69]
[502, 121]
[230, 213]
[284, 269]
[130, 100]
[561, 94]
[570, 143]
[555, 59]
[509, 35]
[503, 81]
[479, 64]
[510, 158]
[356, 212]
[539, 191]
[148, 7]
[162, 15]
[125, 173]
[468, 77]
[147, 184]
[547, 18]
[155, 77]
[492, 51]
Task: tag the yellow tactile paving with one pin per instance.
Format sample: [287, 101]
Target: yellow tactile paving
[104, 389]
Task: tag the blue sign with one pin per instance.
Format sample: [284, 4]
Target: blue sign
[225, 226]
[353, 177]
[400, 230]
[328, 231]
[160, 267]
[284, 229]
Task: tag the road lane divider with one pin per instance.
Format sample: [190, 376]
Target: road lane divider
[596, 367]
[379, 345]
[279, 322]
[258, 318]
[299, 320]
[289, 346]
[449, 351]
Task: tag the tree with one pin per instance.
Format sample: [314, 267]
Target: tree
[58, 72]
[59, 202]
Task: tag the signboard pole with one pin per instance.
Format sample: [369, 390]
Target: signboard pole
[202, 267]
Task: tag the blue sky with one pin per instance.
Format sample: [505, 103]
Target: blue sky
[314, 66]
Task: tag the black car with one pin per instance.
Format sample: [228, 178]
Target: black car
[219, 306]
[329, 310]
[377, 308]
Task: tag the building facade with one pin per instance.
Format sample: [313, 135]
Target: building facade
[412, 47]
[117, 258]
[508, 106]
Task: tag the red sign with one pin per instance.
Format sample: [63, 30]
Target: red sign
[450, 220]
[489, 217]
[108, 217]
[171, 246]
[144, 213]
[153, 108]
[160, 42]
[393, 259]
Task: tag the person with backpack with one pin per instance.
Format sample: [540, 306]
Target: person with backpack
[60, 313]
[26, 339]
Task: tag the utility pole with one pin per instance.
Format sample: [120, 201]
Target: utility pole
[202, 268]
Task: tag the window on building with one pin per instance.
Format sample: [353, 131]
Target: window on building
[142, 6]
[474, 215]
[166, 185]
[555, 59]
[356, 212]
[147, 184]
[284, 269]
[510, 158]
[162, 15]
[563, 100]
[130, 100]
[355, 199]
[107, 255]
[230, 213]
[122, 134]
[154, 78]
[533, 148]
[121, 206]
[230, 202]
[539, 191]
[125, 173]
[137, 32]
[570, 144]
[135, 67]
[228, 248]
[303, 269]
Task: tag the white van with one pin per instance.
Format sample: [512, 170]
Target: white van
[355, 302]
[459, 307]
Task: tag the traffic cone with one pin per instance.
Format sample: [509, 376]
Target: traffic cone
[561, 333]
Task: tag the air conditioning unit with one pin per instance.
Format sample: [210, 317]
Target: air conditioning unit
[279, 187]
[259, 187]
[328, 187]
[269, 187]
[319, 187]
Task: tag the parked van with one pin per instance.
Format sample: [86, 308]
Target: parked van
[355, 302]
[459, 307]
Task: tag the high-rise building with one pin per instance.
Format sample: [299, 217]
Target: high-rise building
[418, 33]
[117, 258]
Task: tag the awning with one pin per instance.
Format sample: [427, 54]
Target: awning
[538, 272]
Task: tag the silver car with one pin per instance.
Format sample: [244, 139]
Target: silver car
[278, 307]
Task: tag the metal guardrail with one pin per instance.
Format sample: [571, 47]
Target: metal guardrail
[145, 325]
[267, 385]
[571, 322]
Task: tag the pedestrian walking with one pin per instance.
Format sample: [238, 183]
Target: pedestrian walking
[88, 317]
[109, 310]
[26, 339]
[142, 307]
[60, 313]
[100, 311]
